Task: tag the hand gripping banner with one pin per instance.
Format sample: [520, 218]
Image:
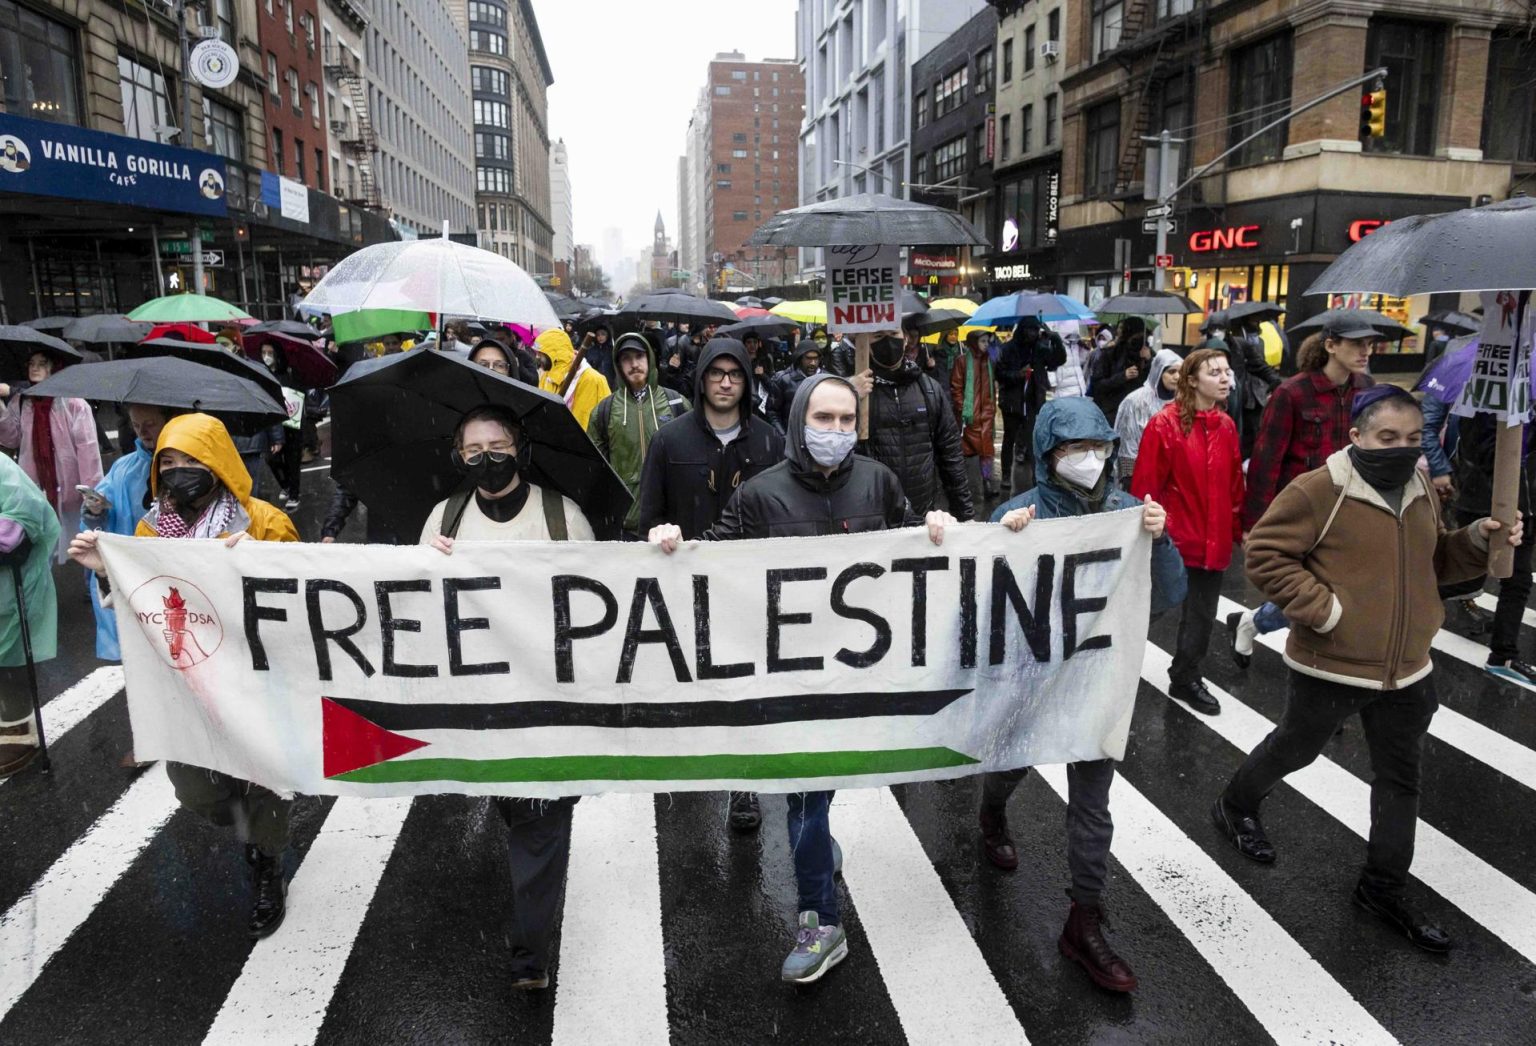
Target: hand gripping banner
[563, 668]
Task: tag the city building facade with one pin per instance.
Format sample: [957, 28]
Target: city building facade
[1267, 220]
[510, 74]
[953, 146]
[350, 138]
[418, 101]
[99, 92]
[1026, 168]
[562, 214]
[288, 33]
[693, 179]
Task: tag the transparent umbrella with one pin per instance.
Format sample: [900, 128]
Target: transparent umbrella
[436, 276]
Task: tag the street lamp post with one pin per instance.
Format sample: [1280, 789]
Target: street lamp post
[186, 128]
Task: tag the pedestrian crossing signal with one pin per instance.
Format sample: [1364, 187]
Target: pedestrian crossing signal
[1373, 114]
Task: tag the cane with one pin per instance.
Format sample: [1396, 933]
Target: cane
[26, 648]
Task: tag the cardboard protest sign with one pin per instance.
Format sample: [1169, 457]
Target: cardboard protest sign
[863, 289]
[560, 668]
[1500, 382]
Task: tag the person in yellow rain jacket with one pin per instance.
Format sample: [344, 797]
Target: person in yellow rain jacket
[201, 490]
[585, 391]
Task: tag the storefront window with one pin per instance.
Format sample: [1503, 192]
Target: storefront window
[1509, 114]
[146, 103]
[38, 66]
[1412, 53]
[1261, 92]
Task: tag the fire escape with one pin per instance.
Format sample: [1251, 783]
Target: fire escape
[1143, 32]
[356, 137]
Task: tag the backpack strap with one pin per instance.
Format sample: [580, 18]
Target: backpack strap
[554, 514]
[453, 512]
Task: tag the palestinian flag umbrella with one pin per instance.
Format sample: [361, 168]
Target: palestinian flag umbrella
[392, 425]
[214, 356]
[161, 381]
[193, 308]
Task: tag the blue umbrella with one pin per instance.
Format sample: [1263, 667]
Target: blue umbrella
[1011, 308]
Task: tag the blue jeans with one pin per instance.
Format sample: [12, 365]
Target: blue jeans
[1268, 618]
[810, 842]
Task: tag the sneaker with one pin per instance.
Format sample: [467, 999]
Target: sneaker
[1241, 632]
[837, 859]
[1514, 670]
[745, 814]
[817, 949]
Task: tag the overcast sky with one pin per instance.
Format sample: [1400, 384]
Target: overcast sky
[627, 75]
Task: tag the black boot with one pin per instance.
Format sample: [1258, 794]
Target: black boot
[1082, 941]
[269, 906]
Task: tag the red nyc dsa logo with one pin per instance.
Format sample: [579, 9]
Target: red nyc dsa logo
[178, 619]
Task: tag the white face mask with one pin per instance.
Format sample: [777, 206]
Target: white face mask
[1081, 469]
[829, 448]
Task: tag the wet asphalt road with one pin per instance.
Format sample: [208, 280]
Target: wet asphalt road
[123, 918]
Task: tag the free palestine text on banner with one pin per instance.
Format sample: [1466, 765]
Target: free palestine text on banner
[562, 668]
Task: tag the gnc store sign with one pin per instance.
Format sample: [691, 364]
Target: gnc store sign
[1230, 238]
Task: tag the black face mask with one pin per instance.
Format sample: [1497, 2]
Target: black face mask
[887, 352]
[186, 486]
[1388, 468]
[488, 474]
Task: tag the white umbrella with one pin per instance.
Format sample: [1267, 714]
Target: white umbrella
[437, 276]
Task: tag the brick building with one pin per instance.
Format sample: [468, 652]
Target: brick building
[745, 144]
[288, 33]
[1461, 128]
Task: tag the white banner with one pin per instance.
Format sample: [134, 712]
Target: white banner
[863, 289]
[1500, 381]
[562, 668]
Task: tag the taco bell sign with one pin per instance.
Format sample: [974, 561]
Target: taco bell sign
[51, 159]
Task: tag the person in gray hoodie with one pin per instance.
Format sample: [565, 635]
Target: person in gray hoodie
[1137, 408]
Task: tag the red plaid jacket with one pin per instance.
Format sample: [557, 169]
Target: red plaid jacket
[1306, 420]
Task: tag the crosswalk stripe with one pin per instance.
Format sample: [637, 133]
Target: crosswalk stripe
[612, 980]
[1508, 757]
[1488, 896]
[1230, 930]
[39, 924]
[939, 983]
[69, 709]
[287, 982]
[1490, 602]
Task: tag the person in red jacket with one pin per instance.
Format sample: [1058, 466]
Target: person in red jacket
[1191, 464]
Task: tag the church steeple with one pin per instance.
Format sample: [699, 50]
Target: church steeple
[659, 241]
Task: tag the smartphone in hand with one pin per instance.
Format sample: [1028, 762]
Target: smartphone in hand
[95, 502]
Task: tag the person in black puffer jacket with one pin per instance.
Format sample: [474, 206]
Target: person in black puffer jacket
[1023, 377]
[912, 431]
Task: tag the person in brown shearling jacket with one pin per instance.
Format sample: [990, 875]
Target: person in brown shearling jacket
[1352, 553]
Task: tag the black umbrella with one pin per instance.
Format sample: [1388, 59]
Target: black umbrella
[935, 321]
[17, 344]
[678, 308]
[1475, 249]
[1386, 326]
[762, 326]
[866, 219]
[749, 301]
[106, 328]
[1148, 303]
[565, 308]
[594, 303]
[211, 356]
[292, 328]
[1215, 319]
[392, 425]
[1454, 322]
[50, 323]
[165, 382]
[911, 302]
[1256, 311]
[769, 303]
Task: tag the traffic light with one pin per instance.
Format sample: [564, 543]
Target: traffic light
[1373, 114]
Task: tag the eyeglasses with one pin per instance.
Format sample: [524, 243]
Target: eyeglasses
[724, 377]
[498, 453]
[499, 366]
[1100, 450]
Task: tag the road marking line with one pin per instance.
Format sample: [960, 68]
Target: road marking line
[1230, 930]
[70, 708]
[1488, 896]
[43, 920]
[940, 984]
[1490, 602]
[612, 980]
[1508, 757]
[316, 468]
[289, 978]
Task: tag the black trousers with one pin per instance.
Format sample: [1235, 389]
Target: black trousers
[1504, 642]
[1395, 722]
[538, 851]
[1197, 617]
[1090, 830]
[1015, 446]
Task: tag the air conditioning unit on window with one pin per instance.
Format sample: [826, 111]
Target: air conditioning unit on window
[339, 126]
[1050, 50]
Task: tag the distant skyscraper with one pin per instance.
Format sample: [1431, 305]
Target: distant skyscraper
[561, 214]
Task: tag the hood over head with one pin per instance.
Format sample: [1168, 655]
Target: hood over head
[506, 353]
[713, 350]
[794, 423]
[806, 345]
[556, 344]
[1066, 419]
[205, 438]
[1164, 359]
[632, 342]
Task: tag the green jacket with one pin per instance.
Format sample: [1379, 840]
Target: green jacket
[22, 503]
[623, 425]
